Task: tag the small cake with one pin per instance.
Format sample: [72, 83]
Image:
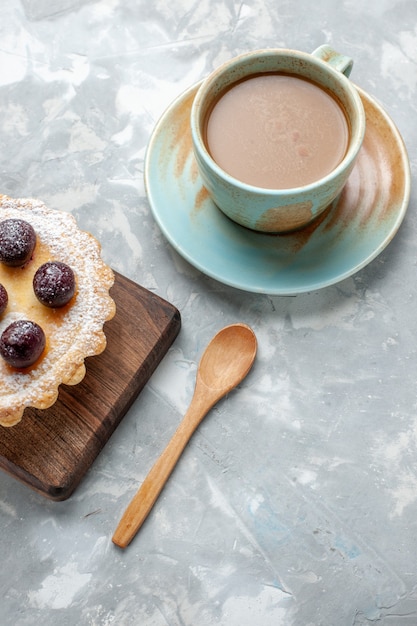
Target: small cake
[54, 301]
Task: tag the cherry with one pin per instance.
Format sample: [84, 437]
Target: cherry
[22, 343]
[4, 298]
[54, 284]
[17, 242]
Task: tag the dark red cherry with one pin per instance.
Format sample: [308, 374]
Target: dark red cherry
[22, 343]
[17, 242]
[54, 284]
[4, 298]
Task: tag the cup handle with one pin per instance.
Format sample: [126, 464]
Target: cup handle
[338, 61]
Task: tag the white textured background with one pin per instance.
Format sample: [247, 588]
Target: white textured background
[295, 504]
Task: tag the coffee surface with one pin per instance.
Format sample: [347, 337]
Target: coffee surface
[277, 131]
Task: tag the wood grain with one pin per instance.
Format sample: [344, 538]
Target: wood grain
[50, 451]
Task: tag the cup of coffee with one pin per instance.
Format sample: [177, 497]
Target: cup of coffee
[276, 134]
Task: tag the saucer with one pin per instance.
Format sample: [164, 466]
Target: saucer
[353, 231]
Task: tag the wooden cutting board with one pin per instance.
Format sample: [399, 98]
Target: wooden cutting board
[51, 450]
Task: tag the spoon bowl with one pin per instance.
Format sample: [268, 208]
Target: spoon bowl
[228, 358]
[225, 363]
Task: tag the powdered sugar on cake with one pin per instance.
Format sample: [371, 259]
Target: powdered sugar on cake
[73, 333]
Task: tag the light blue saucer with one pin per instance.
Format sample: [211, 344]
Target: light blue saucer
[353, 232]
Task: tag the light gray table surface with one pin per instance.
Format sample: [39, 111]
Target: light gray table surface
[295, 503]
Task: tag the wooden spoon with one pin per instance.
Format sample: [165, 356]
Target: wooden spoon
[224, 364]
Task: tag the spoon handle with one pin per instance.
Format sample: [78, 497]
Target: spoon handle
[143, 501]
